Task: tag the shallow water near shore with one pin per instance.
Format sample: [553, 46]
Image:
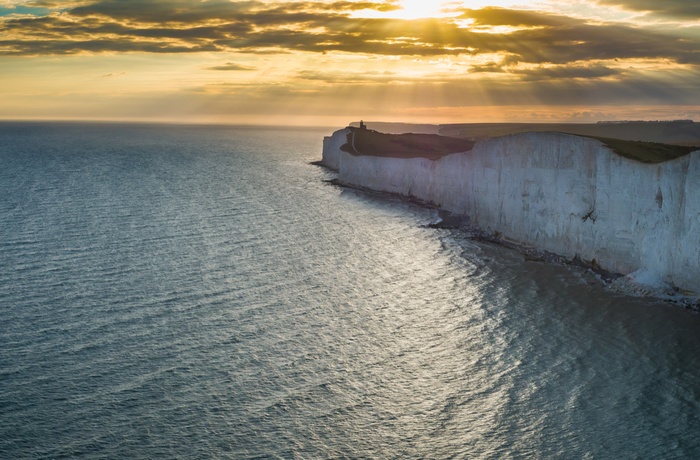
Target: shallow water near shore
[201, 292]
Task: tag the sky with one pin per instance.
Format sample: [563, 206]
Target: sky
[328, 63]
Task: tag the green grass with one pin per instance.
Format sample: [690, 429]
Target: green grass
[646, 152]
[434, 146]
[646, 142]
[430, 146]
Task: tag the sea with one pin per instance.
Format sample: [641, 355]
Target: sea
[175, 291]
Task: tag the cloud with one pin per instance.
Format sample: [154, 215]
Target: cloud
[230, 66]
[187, 12]
[490, 67]
[588, 72]
[183, 26]
[688, 9]
[547, 85]
[494, 16]
[164, 12]
[352, 78]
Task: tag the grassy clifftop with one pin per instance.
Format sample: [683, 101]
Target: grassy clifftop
[644, 141]
[678, 132]
[434, 146]
[646, 152]
[409, 145]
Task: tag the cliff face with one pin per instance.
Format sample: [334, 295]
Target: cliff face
[562, 193]
[331, 148]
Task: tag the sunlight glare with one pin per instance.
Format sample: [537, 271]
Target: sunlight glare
[418, 9]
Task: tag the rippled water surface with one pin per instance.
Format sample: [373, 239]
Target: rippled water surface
[201, 292]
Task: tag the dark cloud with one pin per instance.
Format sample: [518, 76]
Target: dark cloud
[165, 11]
[187, 12]
[37, 47]
[588, 72]
[177, 26]
[491, 67]
[493, 16]
[689, 9]
[230, 66]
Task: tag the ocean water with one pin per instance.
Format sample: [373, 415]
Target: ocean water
[201, 292]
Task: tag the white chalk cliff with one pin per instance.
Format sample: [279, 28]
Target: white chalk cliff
[562, 193]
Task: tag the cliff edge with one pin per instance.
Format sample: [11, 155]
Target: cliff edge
[562, 193]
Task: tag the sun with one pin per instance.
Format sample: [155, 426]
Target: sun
[410, 9]
[417, 9]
